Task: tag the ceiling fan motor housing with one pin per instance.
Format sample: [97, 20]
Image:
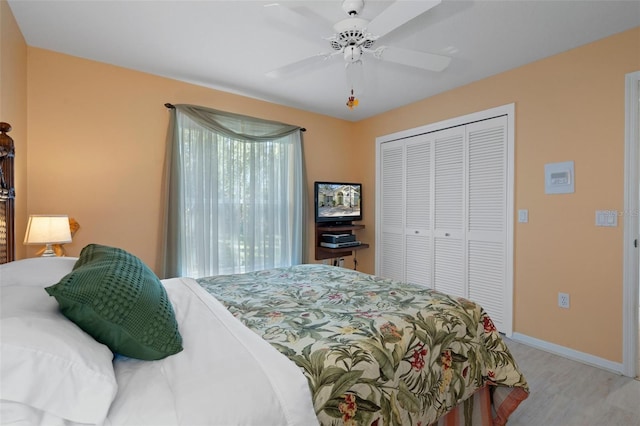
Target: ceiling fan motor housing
[351, 32]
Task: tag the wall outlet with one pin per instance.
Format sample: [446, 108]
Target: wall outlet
[341, 262]
[523, 216]
[563, 300]
[325, 261]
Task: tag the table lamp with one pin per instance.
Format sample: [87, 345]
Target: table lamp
[48, 230]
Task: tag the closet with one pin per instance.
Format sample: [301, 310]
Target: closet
[445, 213]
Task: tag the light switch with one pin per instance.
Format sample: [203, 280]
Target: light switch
[607, 218]
[523, 216]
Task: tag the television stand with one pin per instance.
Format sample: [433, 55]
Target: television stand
[334, 227]
[336, 224]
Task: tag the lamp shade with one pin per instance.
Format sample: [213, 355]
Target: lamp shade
[48, 229]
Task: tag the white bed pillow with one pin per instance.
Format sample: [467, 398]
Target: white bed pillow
[46, 361]
[37, 271]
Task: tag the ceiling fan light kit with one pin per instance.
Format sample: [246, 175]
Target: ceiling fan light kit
[352, 53]
[354, 38]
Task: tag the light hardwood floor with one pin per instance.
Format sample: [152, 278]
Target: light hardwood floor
[570, 393]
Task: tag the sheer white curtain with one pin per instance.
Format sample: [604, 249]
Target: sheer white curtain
[236, 194]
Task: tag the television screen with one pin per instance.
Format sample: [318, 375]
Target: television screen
[338, 201]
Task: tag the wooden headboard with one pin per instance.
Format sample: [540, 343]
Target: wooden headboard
[7, 196]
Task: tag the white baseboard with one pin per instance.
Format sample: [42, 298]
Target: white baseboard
[572, 354]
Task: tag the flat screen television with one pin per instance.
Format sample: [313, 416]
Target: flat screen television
[337, 203]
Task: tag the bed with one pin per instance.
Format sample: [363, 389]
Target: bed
[364, 352]
[377, 351]
[53, 373]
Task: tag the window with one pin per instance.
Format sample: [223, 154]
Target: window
[236, 194]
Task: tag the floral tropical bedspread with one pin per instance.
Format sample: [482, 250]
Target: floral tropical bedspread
[375, 351]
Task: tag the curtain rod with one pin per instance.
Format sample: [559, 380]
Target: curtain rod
[171, 106]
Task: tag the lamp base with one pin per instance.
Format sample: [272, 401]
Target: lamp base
[48, 251]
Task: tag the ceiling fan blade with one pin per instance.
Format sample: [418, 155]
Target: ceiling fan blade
[300, 65]
[399, 13]
[413, 58]
[286, 16]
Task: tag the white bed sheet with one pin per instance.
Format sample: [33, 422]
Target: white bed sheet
[226, 374]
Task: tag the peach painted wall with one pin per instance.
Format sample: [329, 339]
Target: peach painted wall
[13, 108]
[568, 107]
[97, 139]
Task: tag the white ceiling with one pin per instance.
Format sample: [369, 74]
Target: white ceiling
[231, 45]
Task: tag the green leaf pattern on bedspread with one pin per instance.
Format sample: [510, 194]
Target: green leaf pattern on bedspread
[375, 351]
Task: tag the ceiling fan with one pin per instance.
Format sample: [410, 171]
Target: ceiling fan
[355, 37]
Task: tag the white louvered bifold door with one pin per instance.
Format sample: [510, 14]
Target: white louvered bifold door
[486, 224]
[444, 213]
[418, 210]
[449, 211]
[392, 258]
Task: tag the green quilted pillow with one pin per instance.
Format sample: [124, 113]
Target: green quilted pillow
[113, 296]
